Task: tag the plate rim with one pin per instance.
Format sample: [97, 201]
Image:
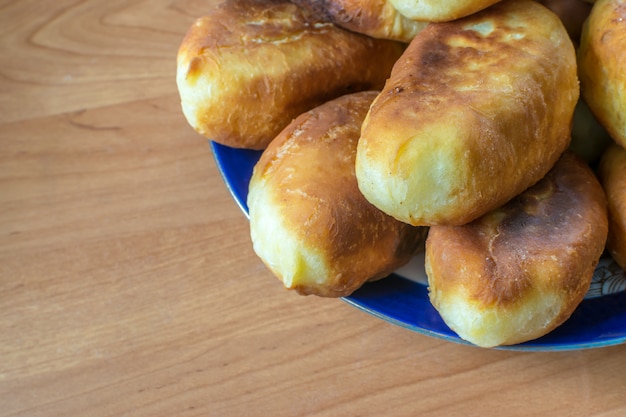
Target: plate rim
[221, 155]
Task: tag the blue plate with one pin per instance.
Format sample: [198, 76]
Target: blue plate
[402, 298]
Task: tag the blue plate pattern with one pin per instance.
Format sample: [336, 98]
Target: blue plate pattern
[599, 321]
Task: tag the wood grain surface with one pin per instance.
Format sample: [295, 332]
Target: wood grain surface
[128, 285]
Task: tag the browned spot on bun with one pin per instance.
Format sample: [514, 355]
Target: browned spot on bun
[519, 271]
[375, 18]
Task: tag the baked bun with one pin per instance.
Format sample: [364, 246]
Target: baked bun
[520, 271]
[308, 221]
[440, 10]
[375, 18]
[475, 111]
[246, 69]
[612, 174]
[602, 66]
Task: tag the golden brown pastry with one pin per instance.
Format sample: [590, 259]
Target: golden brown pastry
[612, 174]
[250, 66]
[520, 271]
[308, 221]
[602, 66]
[440, 10]
[474, 112]
[375, 18]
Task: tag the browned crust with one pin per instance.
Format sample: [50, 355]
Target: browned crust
[548, 239]
[441, 10]
[376, 18]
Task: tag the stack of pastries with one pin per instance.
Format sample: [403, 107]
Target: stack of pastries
[389, 127]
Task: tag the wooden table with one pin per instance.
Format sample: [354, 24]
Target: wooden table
[128, 285]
